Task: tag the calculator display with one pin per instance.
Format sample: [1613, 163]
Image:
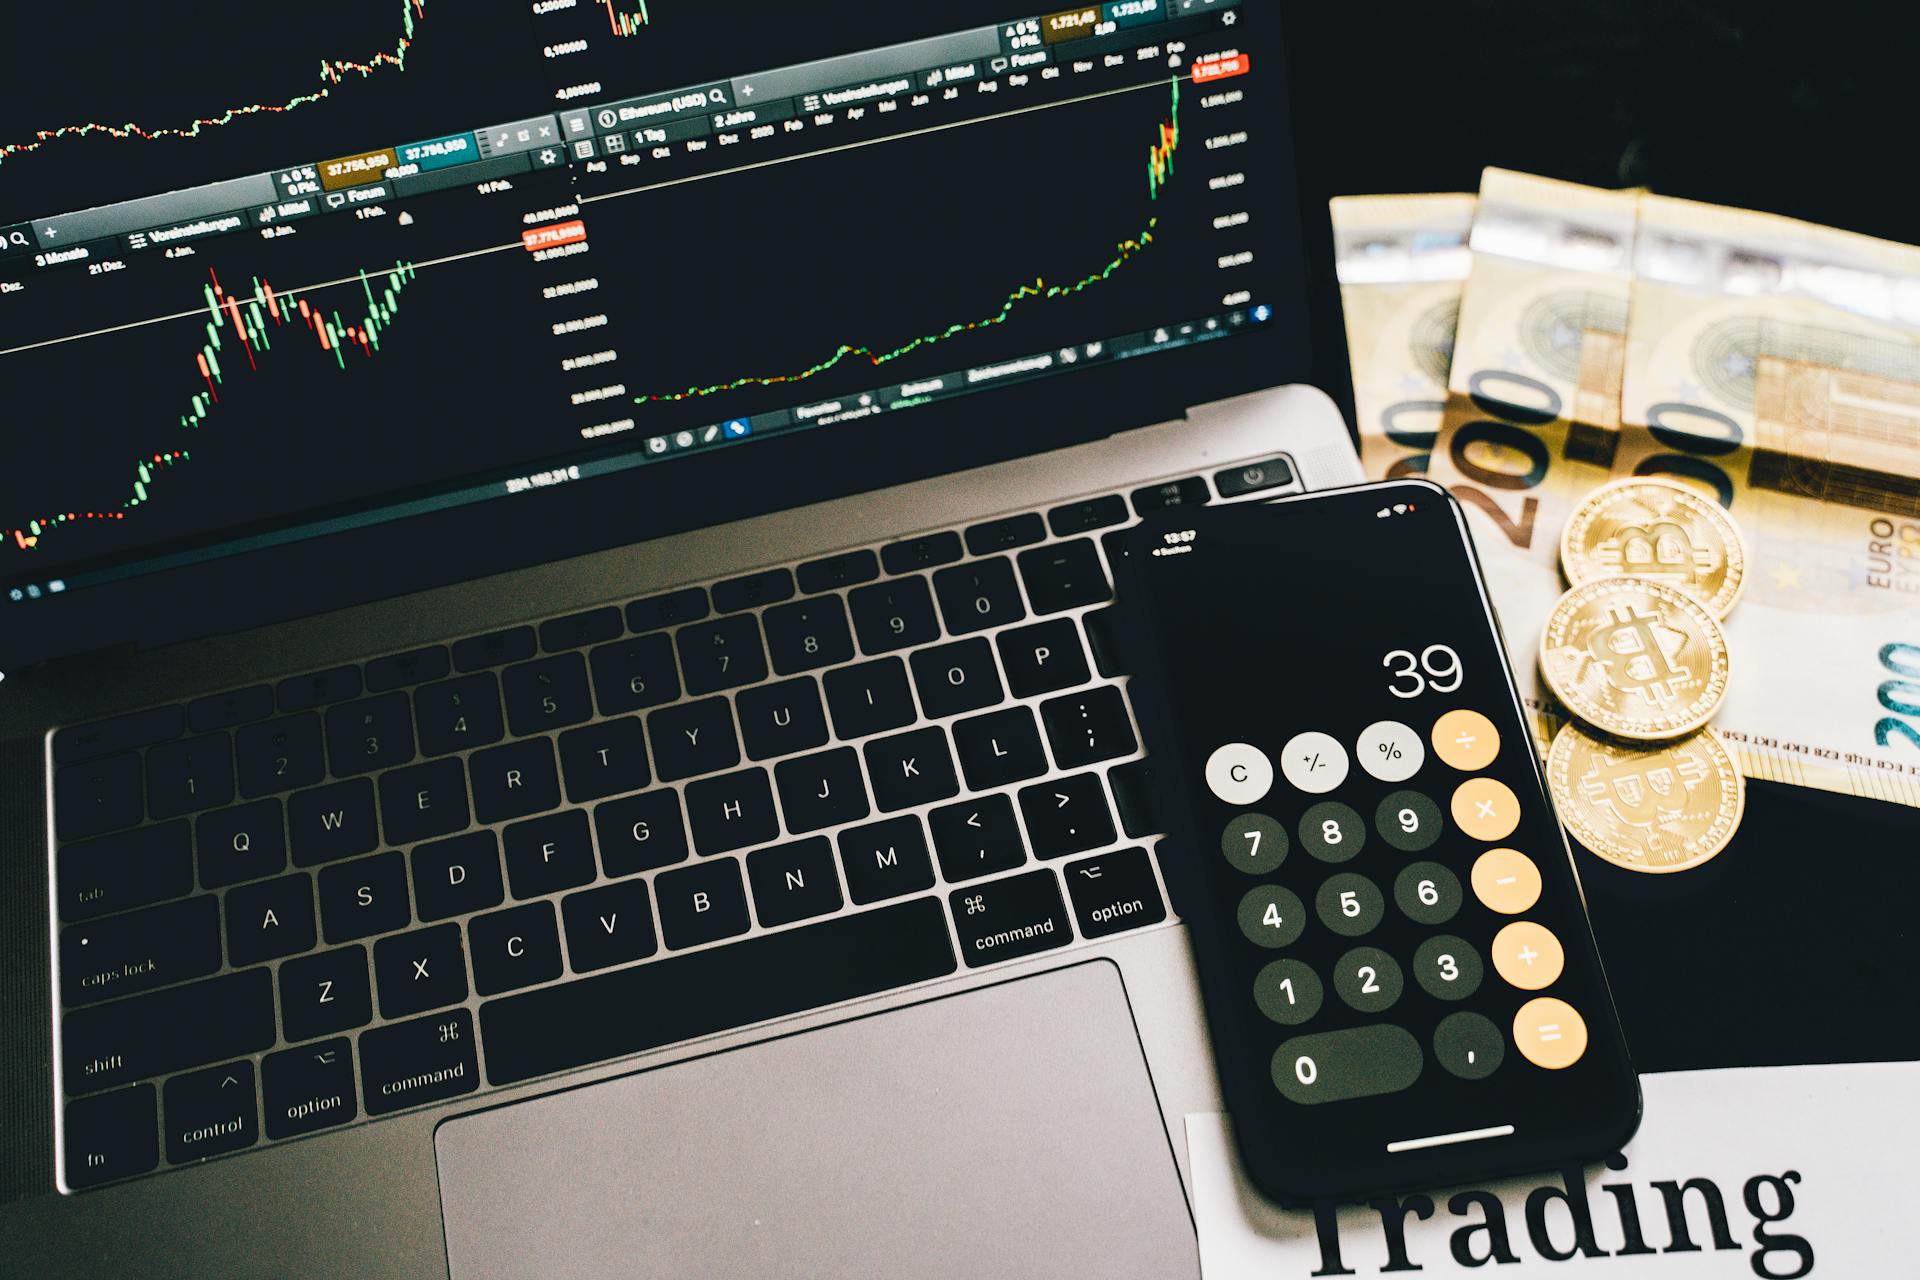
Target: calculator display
[1397, 965]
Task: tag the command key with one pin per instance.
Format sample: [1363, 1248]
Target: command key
[1005, 919]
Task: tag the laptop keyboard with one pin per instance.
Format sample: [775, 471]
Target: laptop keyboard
[290, 907]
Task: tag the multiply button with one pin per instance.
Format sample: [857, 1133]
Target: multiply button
[1528, 955]
[1466, 740]
[1486, 809]
[1506, 881]
[1239, 773]
[1390, 751]
[1549, 1033]
[1314, 762]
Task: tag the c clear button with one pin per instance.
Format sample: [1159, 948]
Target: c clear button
[1239, 773]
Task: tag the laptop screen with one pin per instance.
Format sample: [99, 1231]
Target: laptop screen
[403, 261]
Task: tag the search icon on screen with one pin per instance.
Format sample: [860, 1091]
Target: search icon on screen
[717, 96]
[17, 239]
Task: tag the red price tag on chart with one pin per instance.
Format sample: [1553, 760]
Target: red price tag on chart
[1221, 67]
[556, 233]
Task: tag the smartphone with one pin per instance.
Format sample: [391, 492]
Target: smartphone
[1402, 986]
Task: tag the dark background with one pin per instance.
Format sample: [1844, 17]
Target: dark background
[1795, 944]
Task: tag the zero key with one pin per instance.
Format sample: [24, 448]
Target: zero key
[1359, 1062]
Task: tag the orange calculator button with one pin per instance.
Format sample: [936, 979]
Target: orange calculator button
[1527, 955]
[1486, 809]
[1466, 740]
[1505, 880]
[1549, 1033]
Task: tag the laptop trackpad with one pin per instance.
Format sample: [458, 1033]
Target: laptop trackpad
[1010, 1131]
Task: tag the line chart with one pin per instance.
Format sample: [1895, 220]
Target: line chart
[1160, 168]
[247, 321]
[333, 73]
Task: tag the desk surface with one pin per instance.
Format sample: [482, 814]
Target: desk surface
[1796, 944]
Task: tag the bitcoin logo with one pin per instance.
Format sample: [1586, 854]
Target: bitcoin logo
[1635, 658]
[1660, 530]
[1641, 790]
[1663, 552]
[1666, 808]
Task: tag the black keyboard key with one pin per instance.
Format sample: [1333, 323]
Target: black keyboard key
[139, 951]
[404, 670]
[1132, 786]
[956, 678]
[111, 1136]
[548, 694]
[280, 755]
[885, 859]
[331, 822]
[848, 569]
[701, 903]
[780, 719]
[578, 630]
[689, 604]
[188, 776]
[514, 948]
[1067, 815]
[692, 738]
[893, 615]
[1065, 575]
[722, 654]
[732, 811]
[361, 898]
[301, 693]
[97, 797]
[769, 586]
[514, 781]
[978, 595]
[307, 1089]
[609, 925]
[793, 881]
[604, 759]
[1254, 477]
[910, 769]
[765, 977]
[168, 1030]
[634, 674]
[453, 877]
[1043, 658]
[130, 869]
[1018, 916]
[230, 709]
[924, 552]
[1114, 892]
[455, 715]
[325, 993]
[269, 919]
[496, 649]
[976, 838]
[429, 1060]
[1005, 534]
[373, 733]
[122, 733]
[1087, 515]
[808, 634]
[1086, 728]
[1188, 492]
[823, 790]
[417, 971]
[423, 801]
[546, 855]
[870, 698]
[639, 833]
[1104, 641]
[999, 748]
[210, 1112]
[242, 843]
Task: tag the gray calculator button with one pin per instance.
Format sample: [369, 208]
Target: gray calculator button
[1288, 992]
[1468, 1045]
[1332, 832]
[1271, 916]
[1427, 892]
[1368, 979]
[1359, 1062]
[1254, 843]
[1448, 967]
[1408, 820]
[1350, 905]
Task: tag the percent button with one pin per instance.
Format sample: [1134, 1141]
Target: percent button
[1390, 751]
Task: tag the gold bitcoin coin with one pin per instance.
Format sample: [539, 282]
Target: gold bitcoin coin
[1661, 531]
[1653, 809]
[1635, 659]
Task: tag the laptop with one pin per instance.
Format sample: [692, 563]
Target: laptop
[560, 712]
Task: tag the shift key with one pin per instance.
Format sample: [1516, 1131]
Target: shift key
[1004, 919]
[166, 1031]
[425, 1060]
